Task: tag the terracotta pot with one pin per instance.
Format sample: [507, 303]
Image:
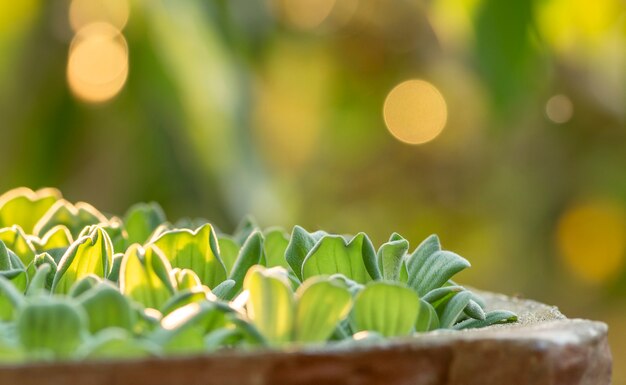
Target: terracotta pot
[542, 348]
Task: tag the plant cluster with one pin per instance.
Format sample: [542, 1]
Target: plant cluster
[77, 284]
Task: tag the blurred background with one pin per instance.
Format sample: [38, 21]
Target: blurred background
[499, 125]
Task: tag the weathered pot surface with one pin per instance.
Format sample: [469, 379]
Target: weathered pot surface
[543, 348]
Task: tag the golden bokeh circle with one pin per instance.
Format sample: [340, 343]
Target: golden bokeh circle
[415, 112]
[97, 66]
[591, 238]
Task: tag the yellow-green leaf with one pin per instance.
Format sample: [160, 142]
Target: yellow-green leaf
[74, 217]
[196, 250]
[271, 305]
[90, 254]
[24, 207]
[322, 303]
[145, 276]
[16, 240]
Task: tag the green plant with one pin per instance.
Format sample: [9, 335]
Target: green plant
[75, 284]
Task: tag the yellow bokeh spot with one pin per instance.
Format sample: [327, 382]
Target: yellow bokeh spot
[85, 12]
[97, 67]
[591, 238]
[304, 14]
[415, 112]
[559, 109]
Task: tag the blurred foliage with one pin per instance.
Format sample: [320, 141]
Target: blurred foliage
[275, 108]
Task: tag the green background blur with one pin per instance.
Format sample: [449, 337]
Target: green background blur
[275, 108]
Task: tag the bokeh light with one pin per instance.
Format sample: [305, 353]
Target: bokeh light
[591, 238]
[97, 66]
[559, 109]
[415, 112]
[85, 12]
[304, 14]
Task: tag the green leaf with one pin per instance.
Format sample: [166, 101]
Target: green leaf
[275, 245]
[390, 257]
[141, 220]
[12, 268]
[223, 290]
[474, 310]
[331, 255]
[246, 227]
[321, 305]
[186, 279]
[437, 294]
[491, 318]
[74, 217]
[39, 282]
[145, 276]
[388, 308]
[183, 330]
[10, 300]
[250, 254]
[51, 325]
[271, 304]
[300, 243]
[116, 344]
[196, 250]
[106, 307]
[229, 249]
[56, 238]
[24, 207]
[15, 240]
[183, 298]
[116, 263]
[429, 267]
[90, 254]
[453, 309]
[427, 318]
[84, 284]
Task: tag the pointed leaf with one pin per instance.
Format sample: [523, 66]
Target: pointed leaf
[300, 243]
[145, 276]
[223, 290]
[390, 257]
[331, 255]
[429, 267]
[474, 310]
[90, 254]
[247, 225]
[441, 292]
[491, 318]
[388, 308]
[196, 250]
[453, 309]
[250, 254]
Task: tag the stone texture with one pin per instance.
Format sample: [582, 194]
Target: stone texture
[543, 348]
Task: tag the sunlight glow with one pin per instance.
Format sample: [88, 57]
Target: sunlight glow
[591, 238]
[97, 66]
[415, 112]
